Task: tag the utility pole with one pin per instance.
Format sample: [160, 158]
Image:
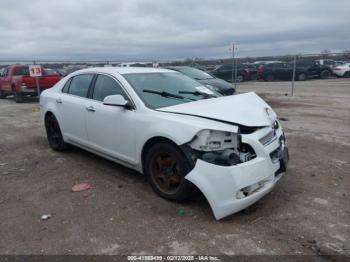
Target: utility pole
[233, 67]
[294, 67]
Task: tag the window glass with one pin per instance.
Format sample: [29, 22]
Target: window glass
[79, 85]
[66, 86]
[106, 86]
[195, 73]
[22, 71]
[174, 83]
[226, 68]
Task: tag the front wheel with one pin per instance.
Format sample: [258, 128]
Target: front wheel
[166, 167]
[54, 135]
[325, 74]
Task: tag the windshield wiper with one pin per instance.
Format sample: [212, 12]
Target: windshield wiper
[164, 94]
[197, 93]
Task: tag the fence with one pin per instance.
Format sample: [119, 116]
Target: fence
[326, 59]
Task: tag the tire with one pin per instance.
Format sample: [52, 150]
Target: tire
[239, 79]
[165, 168]
[346, 74]
[269, 77]
[2, 94]
[253, 77]
[302, 77]
[17, 96]
[54, 134]
[325, 74]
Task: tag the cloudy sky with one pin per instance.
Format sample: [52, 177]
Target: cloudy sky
[169, 29]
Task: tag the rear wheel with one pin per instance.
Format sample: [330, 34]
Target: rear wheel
[269, 77]
[302, 77]
[166, 168]
[2, 94]
[254, 77]
[54, 135]
[17, 96]
[347, 74]
[325, 74]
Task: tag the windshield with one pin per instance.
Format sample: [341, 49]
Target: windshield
[195, 73]
[166, 89]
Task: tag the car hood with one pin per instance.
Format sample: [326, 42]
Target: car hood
[245, 109]
[217, 83]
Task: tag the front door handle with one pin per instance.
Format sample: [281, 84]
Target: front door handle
[59, 101]
[90, 108]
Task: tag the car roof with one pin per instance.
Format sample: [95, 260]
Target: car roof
[123, 70]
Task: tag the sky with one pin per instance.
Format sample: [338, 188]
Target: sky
[156, 30]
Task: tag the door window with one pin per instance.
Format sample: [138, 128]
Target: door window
[22, 71]
[106, 86]
[66, 86]
[80, 84]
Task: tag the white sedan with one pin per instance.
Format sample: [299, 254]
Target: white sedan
[178, 133]
[342, 70]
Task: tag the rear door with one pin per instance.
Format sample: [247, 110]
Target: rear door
[111, 129]
[72, 104]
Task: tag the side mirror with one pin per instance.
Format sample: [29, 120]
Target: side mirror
[117, 100]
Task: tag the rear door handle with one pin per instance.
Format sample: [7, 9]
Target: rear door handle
[90, 108]
[59, 101]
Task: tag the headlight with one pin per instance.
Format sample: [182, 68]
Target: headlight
[220, 148]
[213, 88]
[213, 140]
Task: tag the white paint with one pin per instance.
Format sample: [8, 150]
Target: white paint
[120, 134]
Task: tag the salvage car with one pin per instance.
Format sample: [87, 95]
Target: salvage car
[213, 83]
[178, 133]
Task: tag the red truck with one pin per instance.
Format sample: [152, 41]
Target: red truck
[16, 80]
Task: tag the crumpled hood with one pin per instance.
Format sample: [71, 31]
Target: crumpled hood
[246, 109]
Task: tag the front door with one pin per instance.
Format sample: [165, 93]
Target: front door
[110, 129]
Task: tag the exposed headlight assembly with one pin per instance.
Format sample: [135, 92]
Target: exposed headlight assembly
[213, 140]
[220, 148]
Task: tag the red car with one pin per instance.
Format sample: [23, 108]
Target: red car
[16, 81]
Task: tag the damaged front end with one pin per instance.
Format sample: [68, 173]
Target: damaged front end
[235, 169]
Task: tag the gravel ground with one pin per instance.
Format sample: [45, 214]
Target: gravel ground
[307, 213]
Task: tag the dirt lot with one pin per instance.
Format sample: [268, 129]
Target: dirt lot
[307, 213]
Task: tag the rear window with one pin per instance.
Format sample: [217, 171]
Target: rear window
[80, 84]
[21, 71]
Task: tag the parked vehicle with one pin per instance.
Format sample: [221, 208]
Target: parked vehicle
[272, 71]
[55, 71]
[342, 70]
[284, 71]
[16, 80]
[170, 128]
[206, 79]
[244, 72]
[327, 62]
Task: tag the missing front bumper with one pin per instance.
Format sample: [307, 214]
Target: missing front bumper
[230, 189]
